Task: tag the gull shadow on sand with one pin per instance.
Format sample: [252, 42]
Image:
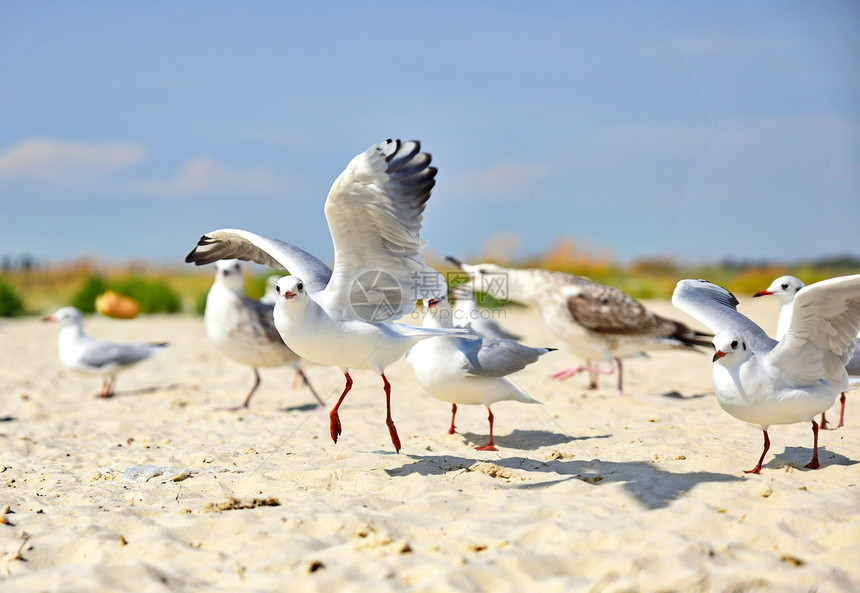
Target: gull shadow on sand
[653, 487]
[145, 390]
[526, 440]
[679, 395]
[800, 456]
[300, 408]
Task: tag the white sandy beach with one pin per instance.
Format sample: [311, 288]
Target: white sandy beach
[588, 491]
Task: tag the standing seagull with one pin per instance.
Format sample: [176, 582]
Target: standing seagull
[244, 328]
[762, 381]
[784, 289]
[597, 322]
[468, 371]
[81, 353]
[343, 317]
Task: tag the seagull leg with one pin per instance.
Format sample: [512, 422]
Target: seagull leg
[620, 375]
[489, 446]
[107, 385]
[391, 428]
[814, 463]
[823, 422]
[570, 372]
[453, 413]
[333, 418]
[244, 404]
[841, 411]
[757, 467]
[301, 373]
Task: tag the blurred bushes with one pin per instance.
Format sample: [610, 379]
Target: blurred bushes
[153, 296]
[10, 302]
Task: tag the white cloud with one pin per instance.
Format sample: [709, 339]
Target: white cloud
[58, 163]
[203, 175]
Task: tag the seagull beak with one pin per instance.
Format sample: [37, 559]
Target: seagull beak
[432, 303]
[718, 355]
[762, 293]
[49, 319]
[288, 295]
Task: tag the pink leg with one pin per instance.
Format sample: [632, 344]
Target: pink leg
[107, 386]
[814, 463]
[453, 413]
[757, 467]
[570, 372]
[395, 440]
[620, 375]
[841, 411]
[244, 404]
[489, 446]
[333, 418]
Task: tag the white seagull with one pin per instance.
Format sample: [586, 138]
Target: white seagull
[83, 354]
[244, 328]
[765, 382]
[468, 371]
[343, 317]
[596, 321]
[784, 290]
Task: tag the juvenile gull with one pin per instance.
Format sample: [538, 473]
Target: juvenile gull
[81, 353]
[784, 290]
[761, 381]
[464, 371]
[344, 317]
[244, 328]
[596, 321]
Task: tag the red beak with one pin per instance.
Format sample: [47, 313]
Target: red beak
[288, 295]
[718, 355]
[762, 293]
[432, 302]
[49, 318]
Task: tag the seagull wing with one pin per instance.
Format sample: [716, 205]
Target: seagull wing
[374, 212]
[820, 338]
[717, 308]
[99, 354]
[247, 246]
[492, 357]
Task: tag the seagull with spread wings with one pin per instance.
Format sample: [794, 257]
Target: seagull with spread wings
[765, 382]
[345, 316]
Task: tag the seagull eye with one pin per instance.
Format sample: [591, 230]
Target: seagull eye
[785, 286]
[299, 286]
[277, 289]
[734, 344]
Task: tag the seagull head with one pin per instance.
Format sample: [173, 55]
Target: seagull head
[228, 272]
[730, 348]
[289, 288]
[439, 311]
[783, 288]
[65, 316]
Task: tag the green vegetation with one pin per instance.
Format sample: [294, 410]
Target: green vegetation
[153, 296]
[10, 302]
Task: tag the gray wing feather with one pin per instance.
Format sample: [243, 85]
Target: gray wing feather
[491, 357]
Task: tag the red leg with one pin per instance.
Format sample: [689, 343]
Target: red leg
[841, 411]
[395, 440]
[489, 446]
[333, 418]
[823, 422]
[757, 468]
[453, 413]
[814, 463]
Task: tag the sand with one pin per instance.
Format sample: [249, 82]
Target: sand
[588, 492]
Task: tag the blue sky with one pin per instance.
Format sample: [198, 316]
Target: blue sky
[693, 130]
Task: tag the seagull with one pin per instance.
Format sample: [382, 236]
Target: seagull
[784, 289]
[270, 296]
[244, 328]
[81, 353]
[344, 316]
[468, 371]
[466, 314]
[598, 322]
[765, 382]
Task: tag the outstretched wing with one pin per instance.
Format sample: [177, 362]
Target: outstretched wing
[248, 246]
[374, 212]
[824, 323]
[717, 308]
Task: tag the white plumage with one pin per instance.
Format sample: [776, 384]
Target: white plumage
[759, 380]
